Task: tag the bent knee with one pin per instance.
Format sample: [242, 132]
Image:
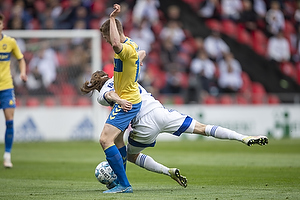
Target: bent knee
[132, 157]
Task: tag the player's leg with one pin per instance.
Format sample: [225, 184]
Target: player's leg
[112, 153]
[9, 136]
[145, 161]
[7, 103]
[224, 133]
[117, 122]
[119, 142]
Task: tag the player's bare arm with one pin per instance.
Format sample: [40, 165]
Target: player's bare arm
[142, 55]
[114, 34]
[22, 65]
[113, 97]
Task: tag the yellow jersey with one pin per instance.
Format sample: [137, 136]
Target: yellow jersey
[126, 72]
[8, 46]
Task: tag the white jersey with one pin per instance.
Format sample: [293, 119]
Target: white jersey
[151, 120]
[148, 101]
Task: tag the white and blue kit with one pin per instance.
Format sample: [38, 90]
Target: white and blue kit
[152, 119]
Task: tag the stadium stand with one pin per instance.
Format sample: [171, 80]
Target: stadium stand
[249, 47]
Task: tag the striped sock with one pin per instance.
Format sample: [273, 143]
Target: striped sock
[148, 163]
[222, 133]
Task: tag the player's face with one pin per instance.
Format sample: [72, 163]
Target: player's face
[107, 38]
[1, 25]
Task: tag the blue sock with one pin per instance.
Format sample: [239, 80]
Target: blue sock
[115, 160]
[123, 152]
[9, 135]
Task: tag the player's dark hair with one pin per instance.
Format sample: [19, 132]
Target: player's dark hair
[96, 83]
[2, 17]
[105, 28]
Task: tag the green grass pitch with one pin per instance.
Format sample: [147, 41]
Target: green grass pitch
[215, 170]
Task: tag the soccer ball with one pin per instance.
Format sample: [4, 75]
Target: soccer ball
[104, 173]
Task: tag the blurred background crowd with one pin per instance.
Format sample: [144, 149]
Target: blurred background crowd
[198, 51]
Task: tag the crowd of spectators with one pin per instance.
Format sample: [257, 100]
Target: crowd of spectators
[177, 65]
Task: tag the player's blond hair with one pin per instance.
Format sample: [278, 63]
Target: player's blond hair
[105, 28]
[96, 83]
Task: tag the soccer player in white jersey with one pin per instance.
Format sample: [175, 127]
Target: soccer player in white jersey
[153, 119]
[8, 47]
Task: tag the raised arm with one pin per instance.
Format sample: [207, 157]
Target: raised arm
[114, 34]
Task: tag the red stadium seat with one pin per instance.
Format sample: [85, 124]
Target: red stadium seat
[288, 69]
[241, 99]
[298, 72]
[178, 100]
[83, 101]
[229, 28]
[244, 37]
[273, 99]
[260, 42]
[50, 101]
[210, 100]
[213, 24]
[66, 100]
[32, 102]
[258, 93]
[246, 87]
[226, 100]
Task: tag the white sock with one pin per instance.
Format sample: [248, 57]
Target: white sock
[7, 156]
[148, 163]
[223, 133]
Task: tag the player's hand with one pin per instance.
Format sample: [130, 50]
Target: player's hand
[23, 77]
[125, 105]
[117, 10]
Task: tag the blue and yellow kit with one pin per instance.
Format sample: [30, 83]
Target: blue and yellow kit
[126, 72]
[8, 46]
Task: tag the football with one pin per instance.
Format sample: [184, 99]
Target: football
[104, 173]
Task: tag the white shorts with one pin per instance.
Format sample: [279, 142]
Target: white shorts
[160, 120]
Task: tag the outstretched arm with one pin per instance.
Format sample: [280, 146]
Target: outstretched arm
[114, 34]
[112, 96]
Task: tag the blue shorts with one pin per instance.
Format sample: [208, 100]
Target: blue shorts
[7, 99]
[121, 119]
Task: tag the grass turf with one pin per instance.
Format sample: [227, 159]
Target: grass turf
[215, 170]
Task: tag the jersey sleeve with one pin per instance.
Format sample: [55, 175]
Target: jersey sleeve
[108, 86]
[126, 52]
[16, 50]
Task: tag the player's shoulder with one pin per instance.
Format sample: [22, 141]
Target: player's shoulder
[130, 42]
[8, 38]
[109, 83]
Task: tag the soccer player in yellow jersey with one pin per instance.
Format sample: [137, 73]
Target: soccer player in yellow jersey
[8, 46]
[126, 73]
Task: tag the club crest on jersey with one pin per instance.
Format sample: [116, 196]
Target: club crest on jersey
[4, 46]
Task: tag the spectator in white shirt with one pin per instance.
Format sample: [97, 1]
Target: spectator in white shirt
[174, 32]
[204, 69]
[230, 79]
[143, 35]
[42, 69]
[145, 9]
[215, 46]
[278, 48]
[275, 18]
[231, 9]
[260, 8]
